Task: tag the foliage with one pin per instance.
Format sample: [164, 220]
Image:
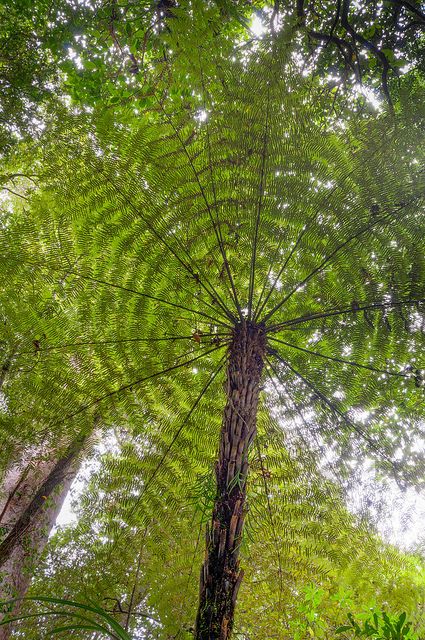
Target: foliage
[306, 536]
[366, 42]
[120, 44]
[187, 168]
[32, 308]
[75, 616]
[31, 38]
[148, 237]
[379, 626]
[108, 54]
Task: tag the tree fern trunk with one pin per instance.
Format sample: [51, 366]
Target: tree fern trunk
[29, 512]
[221, 575]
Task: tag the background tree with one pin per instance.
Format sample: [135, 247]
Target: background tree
[368, 43]
[109, 54]
[367, 46]
[32, 38]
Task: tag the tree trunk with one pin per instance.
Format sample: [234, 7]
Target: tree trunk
[29, 511]
[221, 575]
[4, 371]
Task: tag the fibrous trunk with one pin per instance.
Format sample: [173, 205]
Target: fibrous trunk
[221, 574]
[30, 505]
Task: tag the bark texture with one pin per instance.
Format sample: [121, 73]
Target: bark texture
[28, 512]
[221, 574]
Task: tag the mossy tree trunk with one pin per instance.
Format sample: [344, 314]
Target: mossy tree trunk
[221, 574]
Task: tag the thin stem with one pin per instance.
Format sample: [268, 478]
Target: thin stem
[354, 427]
[308, 224]
[213, 293]
[306, 445]
[282, 269]
[307, 427]
[65, 614]
[330, 465]
[205, 199]
[189, 577]
[283, 400]
[211, 305]
[14, 193]
[341, 360]
[331, 255]
[128, 289]
[259, 209]
[148, 296]
[302, 233]
[337, 312]
[177, 433]
[124, 340]
[258, 309]
[271, 519]
[217, 228]
[130, 385]
[136, 580]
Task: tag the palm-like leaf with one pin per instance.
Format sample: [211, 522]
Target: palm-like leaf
[74, 616]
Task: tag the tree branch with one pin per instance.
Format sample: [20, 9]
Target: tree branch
[342, 360]
[355, 308]
[333, 253]
[129, 386]
[379, 55]
[342, 416]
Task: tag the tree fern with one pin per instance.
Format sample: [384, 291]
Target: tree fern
[262, 242]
